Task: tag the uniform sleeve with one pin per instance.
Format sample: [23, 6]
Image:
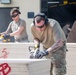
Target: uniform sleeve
[58, 32]
[22, 23]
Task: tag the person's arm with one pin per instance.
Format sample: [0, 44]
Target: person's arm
[55, 47]
[20, 29]
[69, 29]
[8, 30]
[3, 33]
[6, 33]
[36, 40]
[59, 38]
[17, 32]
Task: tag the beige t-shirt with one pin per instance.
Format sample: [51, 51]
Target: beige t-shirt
[50, 35]
[13, 26]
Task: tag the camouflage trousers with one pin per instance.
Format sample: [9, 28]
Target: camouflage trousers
[58, 62]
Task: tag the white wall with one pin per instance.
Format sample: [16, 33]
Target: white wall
[25, 6]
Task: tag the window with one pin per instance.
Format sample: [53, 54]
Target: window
[30, 14]
[5, 1]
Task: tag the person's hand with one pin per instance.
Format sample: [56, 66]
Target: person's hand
[6, 36]
[40, 54]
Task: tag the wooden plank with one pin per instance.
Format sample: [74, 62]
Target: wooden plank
[25, 66]
[71, 59]
[15, 50]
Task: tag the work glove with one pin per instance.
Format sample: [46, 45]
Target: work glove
[40, 54]
[6, 36]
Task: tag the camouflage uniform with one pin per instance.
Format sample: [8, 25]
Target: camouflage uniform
[48, 37]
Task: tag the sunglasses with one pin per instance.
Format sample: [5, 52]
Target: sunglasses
[41, 26]
[14, 15]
